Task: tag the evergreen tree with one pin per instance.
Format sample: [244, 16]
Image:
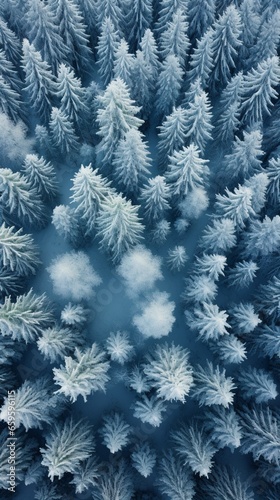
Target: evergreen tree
[172, 134]
[19, 199]
[229, 349]
[263, 237]
[199, 118]
[115, 481]
[115, 117]
[212, 265]
[44, 34]
[131, 163]
[194, 90]
[10, 101]
[106, 47]
[155, 196]
[258, 184]
[269, 296]
[40, 175]
[224, 426]
[201, 60]
[195, 447]
[149, 409]
[168, 85]
[25, 318]
[17, 251]
[119, 347]
[111, 9]
[268, 340]
[62, 132]
[39, 82]
[226, 41]
[212, 387]
[219, 236]
[149, 49]
[9, 73]
[9, 42]
[167, 8]
[230, 105]
[245, 158]
[199, 289]
[138, 19]
[85, 373]
[71, 94]
[123, 63]
[267, 40]
[57, 342]
[88, 9]
[143, 84]
[225, 484]
[258, 91]
[67, 444]
[257, 384]
[250, 22]
[174, 40]
[242, 274]
[143, 459]
[177, 258]
[273, 173]
[174, 478]
[89, 191]
[201, 15]
[118, 225]
[72, 29]
[86, 475]
[244, 319]
[236, 205]
[209, 321]
[115, 432]
[43, 140]
[74, 315]
[66, 223]
[186, 170]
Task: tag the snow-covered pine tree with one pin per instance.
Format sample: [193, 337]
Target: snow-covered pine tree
[269, 296]
[67, 444]
[263, 237]
[168, 85]
[236, 205]
[19, 200]
[172, 134]
[186, 171]
[226, 42]
[225, 484]
[10, 101]
[257, 384]
[71, 94]
[261, 433]
[199, 289]
[119, 347]
[86, 475]
[115, 432]
[166, 10]
[106, 46]
[138, 380]
[230, 104]
[57, 342]
[85, 373]
[244, 319]
[175, 478]
[209, 321]
[201, 60]
[25, 318]
[89, 189]
[212, 265]
[118, 225]
[170, 372]
[115, 481]
[149, 49]
[143, 84]
[219, 236]
[250, 23]
[123, 63]
[40, 175]
[174, 39]
[74, 315]
[9, 72]
[273, 173]
[245, 158]
[242, 274]
[116, 115]
[267, 342]
[224, 427]
[9, 42]
[194, 445]
[43, 141]
[199, 116]
[62, 132]
[258, 184]
[259, 90]
[177, 258]
[143, 459]
[39, 80]
[44, 34]
[149, 410]
[267, 40]
[67, 224]
[111, 9]
[229, 349]
[138, 18]
[201, 15]
[212, 387]
[72, 30]
[131, 162]
[17, 251]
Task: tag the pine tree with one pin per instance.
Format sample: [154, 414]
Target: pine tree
[72, 29]
[119, 347]
[43, 140]
[258, 90]
[177, 258]
[131, 163]
[269, 296]
[18, 252]
[118, 225]
[115, 117]
[186, 171]
[195, 447]
[229, 349]
[115, 432]
[138, 19]
[199, 289]
[9, 42]
[85, 373]
[57, 342]
[20, 200]
[257, 384]
[175, 479]
[115, 481]
[174, 40]
[44, 34]
[39, 83]
[236, 205]
[74, 315]
[143, 459]
[230, 105]
[250, 22]
[245, 158]
[224, 426]
[25, 318]
[9, 73]
[209, 321]
[201, 60]
[89, 191]
[201, 15]
[71, 94]
[226, 41]
[194, 90]
[212, 387]
[86, 475]
[62, 132]
[155, 196]
[258, 184]
[212, 265]
[143, 84]
[66, 223]
[138, 380]
[263, 237]
[106, 47]
[231, 94]
[167, 8]
[268, 340]
[242, 274]
[149, 49]
[10, 101]
[219, 236]
[267, 40]
[172, 134]
[244, 318]
[199, 118]
[225, 484]
[168, 85]
[149, 409]
[88, 9]
[40, 176]
[261, 433]
[123, 63]
[111, 9]
[273, 173]
[67, 444]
